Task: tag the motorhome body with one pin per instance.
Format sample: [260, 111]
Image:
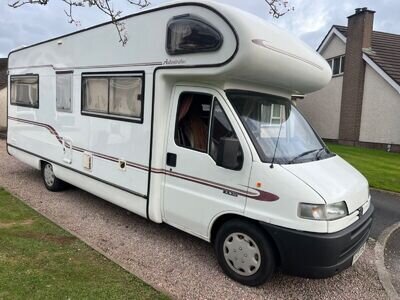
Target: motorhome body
[191, 124]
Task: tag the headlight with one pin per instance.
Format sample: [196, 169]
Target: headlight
[323, 212]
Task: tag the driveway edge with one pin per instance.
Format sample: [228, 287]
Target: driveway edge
[384, 275]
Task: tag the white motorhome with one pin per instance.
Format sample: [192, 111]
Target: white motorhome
[191, 124]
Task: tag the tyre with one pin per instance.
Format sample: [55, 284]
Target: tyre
[244, 252]
[51, 182]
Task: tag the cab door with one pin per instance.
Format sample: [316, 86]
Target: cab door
[208, 163]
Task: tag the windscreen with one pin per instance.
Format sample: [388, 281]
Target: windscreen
[278, 130]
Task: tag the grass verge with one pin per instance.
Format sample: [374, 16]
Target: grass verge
[381, 168]
[39, 260]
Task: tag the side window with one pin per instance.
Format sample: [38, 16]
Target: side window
[223, 136]
[202, 125]
[126, 97]
[64, 92]
[114, 96]
[25, 90]
[95, 95]
[193, 119]
[190, 34]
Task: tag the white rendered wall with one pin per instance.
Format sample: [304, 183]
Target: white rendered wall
[380, 121]
[335, 48]
[322, 108]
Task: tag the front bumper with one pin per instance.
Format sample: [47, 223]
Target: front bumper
[319, 255]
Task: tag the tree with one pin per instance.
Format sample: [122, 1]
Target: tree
[278, 8]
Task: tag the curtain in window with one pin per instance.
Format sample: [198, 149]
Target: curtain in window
[64, 92]
[125, 96]
[96, 95]
[24, 91]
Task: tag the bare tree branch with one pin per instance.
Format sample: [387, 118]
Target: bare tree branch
[104, 6]
[69, 14]
[19, 3]
[278, 8]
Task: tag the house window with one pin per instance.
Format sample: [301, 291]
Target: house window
[271, 115]
[113, 96]
[342, 63]
[337, 64]
[189, 34]
[25, 90]
[64, 92]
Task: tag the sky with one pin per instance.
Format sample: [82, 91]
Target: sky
[310, 20]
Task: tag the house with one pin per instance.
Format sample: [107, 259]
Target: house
[3, 94]
[361, 104]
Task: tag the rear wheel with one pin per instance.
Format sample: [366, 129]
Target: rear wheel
[50, 180]
[245, 253]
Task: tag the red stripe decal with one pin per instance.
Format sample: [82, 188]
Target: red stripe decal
[257, 195]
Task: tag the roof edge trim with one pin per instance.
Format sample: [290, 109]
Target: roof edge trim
[328, 37]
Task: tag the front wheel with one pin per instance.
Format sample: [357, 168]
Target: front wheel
[50, 180]
[244, 252]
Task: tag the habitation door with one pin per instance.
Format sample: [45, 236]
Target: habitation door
[201, 136]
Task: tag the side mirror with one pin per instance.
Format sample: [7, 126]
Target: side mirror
[230, 154]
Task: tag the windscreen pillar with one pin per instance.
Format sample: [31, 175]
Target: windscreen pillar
[359, 38]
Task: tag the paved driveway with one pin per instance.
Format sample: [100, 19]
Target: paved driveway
[387, 211]
[166, 258]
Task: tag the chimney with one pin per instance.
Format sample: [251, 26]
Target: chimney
[359, 37]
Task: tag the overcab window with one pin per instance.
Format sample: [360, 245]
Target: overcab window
[113, 96]
[25, 90]
[189, 34]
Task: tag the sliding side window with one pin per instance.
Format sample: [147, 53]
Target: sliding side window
[25, 90]
[64, 92]
[114, 96]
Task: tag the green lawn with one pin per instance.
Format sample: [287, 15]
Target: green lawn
[39, 260]
[381, 168]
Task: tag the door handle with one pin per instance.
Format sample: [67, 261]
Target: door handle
[171, 159]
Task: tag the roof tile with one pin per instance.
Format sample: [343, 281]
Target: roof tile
[385, 51]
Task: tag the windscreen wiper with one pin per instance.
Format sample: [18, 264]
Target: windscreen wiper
[303, 154]
[318, 156]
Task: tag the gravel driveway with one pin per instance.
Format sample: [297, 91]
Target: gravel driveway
[170, 260]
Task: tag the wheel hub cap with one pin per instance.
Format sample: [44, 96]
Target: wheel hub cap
[242, 254]
[49, 175]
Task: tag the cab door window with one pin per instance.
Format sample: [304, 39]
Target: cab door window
[202, 125]
[193, 121]
[224, 142]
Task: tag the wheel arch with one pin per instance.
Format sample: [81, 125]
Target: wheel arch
[42, 162]
[225, 217]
